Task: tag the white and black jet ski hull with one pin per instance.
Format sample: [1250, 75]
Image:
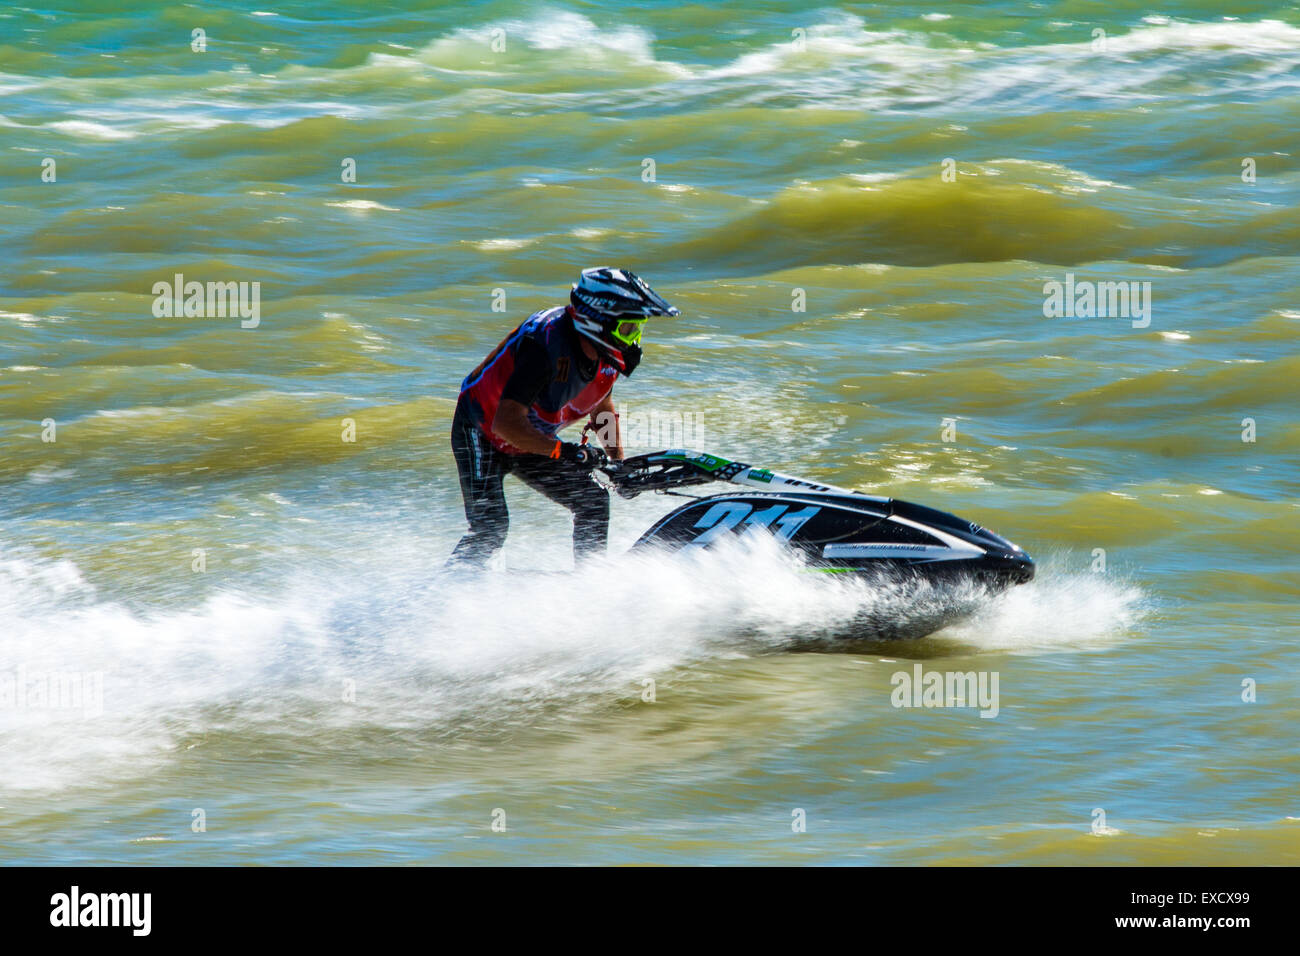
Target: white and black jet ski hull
[836, 530]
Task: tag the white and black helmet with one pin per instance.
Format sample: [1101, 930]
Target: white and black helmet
[610, 306]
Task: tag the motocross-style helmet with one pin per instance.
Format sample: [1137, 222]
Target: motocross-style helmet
[610, 307]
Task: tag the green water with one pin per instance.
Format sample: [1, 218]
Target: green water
[782, 161]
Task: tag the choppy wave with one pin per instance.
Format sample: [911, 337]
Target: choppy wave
[559, 60]
[1005, 210]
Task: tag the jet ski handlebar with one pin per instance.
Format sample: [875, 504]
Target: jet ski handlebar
[659, 471]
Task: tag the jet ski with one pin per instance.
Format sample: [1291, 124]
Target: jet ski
[836, 530]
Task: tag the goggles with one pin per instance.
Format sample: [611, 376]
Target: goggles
[628, 331]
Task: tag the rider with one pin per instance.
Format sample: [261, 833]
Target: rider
[558, 366]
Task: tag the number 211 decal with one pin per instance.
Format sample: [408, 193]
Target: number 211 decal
[727, 515]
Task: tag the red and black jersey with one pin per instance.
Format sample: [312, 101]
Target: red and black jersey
[540, 364]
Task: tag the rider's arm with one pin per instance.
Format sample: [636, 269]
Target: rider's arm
[532, 373]
[606, 421]
[511, 423]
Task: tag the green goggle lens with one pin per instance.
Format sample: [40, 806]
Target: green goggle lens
[629, 332]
